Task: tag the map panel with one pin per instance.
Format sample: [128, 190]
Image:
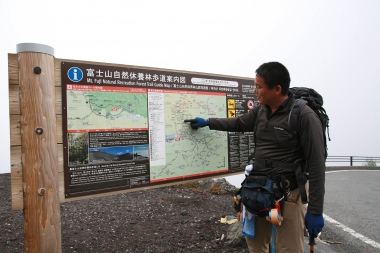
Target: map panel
[191, 152]
[117, 108]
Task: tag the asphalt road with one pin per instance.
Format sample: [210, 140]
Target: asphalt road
[351, 211]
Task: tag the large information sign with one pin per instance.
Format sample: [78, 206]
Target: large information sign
[124, 127]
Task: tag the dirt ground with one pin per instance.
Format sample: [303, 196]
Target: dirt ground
[184, 218]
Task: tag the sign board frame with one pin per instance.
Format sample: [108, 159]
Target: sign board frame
[124, 96]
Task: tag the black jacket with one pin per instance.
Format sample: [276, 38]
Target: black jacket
[272, 143]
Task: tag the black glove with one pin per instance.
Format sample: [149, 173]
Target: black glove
[198, 122]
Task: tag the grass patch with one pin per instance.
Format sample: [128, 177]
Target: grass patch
[215, 189]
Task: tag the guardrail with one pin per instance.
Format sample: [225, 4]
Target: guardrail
[364, 160]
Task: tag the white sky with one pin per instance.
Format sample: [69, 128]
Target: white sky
[331, 46]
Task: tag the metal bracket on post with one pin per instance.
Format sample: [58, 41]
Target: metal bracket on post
[39, 130]
[37, 70]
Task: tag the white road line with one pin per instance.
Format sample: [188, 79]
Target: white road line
[347, 229]
[333, 171]
[352, 232]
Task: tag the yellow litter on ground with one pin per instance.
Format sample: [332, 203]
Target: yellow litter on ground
[229, 219]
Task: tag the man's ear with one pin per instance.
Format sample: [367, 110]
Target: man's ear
[278, 89]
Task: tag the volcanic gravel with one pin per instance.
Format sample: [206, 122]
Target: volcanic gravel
[182, 218]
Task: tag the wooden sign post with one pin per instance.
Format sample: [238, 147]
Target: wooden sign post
[42, 225]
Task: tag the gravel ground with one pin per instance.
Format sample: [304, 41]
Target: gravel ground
[184, 218]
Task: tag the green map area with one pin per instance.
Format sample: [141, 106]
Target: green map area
[189, 151]
[106, 110]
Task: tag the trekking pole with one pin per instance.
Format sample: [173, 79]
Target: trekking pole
[311, 243]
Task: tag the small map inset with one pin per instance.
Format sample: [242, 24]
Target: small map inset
[98, 107]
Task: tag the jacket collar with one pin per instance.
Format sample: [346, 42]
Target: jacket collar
[285, 104]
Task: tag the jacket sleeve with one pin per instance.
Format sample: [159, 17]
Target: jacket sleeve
[312, 141]
[243, 123]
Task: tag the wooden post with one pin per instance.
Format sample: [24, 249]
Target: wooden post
[42, 225]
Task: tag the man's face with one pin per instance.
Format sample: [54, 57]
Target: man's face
[265, 96]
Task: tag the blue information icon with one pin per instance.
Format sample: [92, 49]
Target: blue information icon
[75, 74]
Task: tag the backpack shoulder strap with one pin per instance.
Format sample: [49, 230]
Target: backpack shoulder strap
[294, 115]
[295, 111]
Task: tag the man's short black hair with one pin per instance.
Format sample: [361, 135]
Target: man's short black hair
[274, 73]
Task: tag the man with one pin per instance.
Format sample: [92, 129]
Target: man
[272, 129]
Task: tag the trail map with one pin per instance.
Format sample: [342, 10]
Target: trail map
[191, 152]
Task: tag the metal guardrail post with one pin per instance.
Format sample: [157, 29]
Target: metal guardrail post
[351, 161]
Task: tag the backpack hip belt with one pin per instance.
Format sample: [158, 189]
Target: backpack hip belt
[292, 167]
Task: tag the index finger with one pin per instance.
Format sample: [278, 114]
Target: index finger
[191, 121]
